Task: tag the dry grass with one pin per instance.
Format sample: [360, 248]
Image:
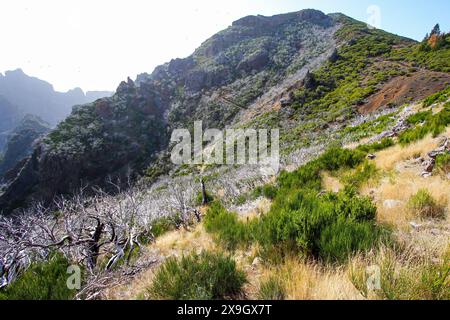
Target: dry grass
[387, 159]
[331, 183]
[310, 281]
[402, 179]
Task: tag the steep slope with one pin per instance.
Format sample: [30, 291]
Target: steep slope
[306, 73]
[37, 97]
[21, 141]
[9, 119]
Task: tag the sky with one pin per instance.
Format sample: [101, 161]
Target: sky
[95, 44]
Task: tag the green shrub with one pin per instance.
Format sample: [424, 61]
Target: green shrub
[42, 281]
[308, 176]
[207, 276]
[267, 191]
[434, 124]
[377, 146]
[272, 289]
[226, 226]
[163, 225]
[425, 206]
[443, 163]
[345, 238]
[441, 96]
[361, 175]
[298, 214]
[199, 198]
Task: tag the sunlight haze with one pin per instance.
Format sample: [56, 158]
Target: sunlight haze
[96, 44]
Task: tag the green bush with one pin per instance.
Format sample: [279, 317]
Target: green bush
[207, 276]
[199, 198]
[377, 146]
[425, 206]
[308, 176]
[298, 214]
[441, 96]
[226, 226]
[361, 174]
[295, 221]
[433, 124]
[272, 289]
[42, 281]
[443, 163]
[344, 238]
[267, 191]
[163, 225]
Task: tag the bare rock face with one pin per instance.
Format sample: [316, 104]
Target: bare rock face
[254, 62]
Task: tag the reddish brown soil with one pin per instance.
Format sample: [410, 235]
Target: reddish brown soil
[406, 89]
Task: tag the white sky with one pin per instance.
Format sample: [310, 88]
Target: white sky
[95, 44]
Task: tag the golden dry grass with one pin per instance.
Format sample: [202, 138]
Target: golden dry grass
[310, 281]
[387, 159]
[331, 183]
[402, 179]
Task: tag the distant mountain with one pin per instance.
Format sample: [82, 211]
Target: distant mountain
[34, 96]
[21, 141]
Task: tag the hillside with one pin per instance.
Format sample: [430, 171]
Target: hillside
[10, 117]
[364, 118]
[21, 141]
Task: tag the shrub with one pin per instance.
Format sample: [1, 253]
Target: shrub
[163, 225]
[425, 206]
[199, 198]
[443, 163]
[207, 276]
[267, 191]
[298, 215]
[377, 146]
[42, 281]
[440, 96]
[361, 175]
[226, 226]
[272, 289]
[344, 238]
[434, 124]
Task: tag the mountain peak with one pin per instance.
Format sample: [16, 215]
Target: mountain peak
[307, 15]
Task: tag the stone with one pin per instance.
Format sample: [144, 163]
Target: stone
[426, 174]
[371, 156]
[256, 262]
[391, 204]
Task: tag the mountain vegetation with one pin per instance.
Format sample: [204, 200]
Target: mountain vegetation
[364, 137]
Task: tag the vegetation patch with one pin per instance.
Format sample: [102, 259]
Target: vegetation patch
[426, 123]
[302, 219]
[425, 206]
[207, 276]
[42, 281]
[272, 289]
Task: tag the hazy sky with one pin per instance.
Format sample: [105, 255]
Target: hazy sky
[94, 44]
